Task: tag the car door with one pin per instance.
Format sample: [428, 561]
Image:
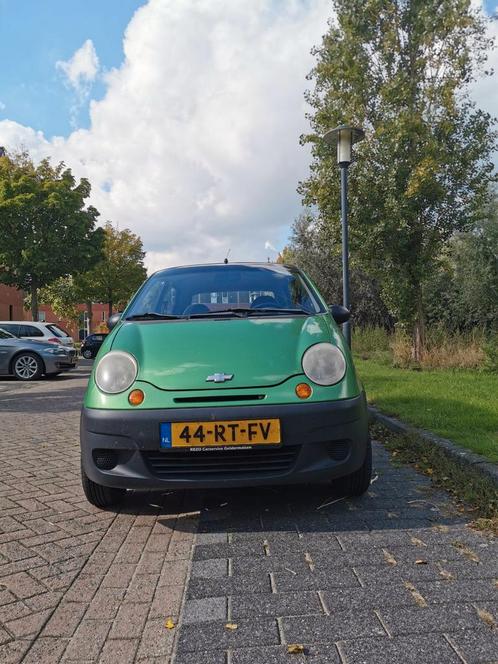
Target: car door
[7, 350]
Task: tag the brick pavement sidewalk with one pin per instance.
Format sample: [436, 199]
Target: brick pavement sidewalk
[393, 577]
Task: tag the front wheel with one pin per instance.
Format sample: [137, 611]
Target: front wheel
[87, 354]
[357, 483]
[27, 366]
[98, 495]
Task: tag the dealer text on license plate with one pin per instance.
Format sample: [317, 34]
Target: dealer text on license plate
[220, 434]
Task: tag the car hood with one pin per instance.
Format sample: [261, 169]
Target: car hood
[180, 355]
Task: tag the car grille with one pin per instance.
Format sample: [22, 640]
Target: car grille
[221, 463]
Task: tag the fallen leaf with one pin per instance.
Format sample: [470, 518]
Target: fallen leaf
[421, 562]
[417, 541]
[390, 559]
[415, 594]
[374, 479]
[169, 624]
[487, 617]
[231, 626]
[223, 504]
[295, 648]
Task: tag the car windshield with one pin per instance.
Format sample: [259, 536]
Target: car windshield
[6, 335]
[224, 290]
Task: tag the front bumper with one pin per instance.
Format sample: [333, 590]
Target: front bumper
[320, 441]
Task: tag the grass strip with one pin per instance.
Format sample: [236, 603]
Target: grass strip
[475, 494]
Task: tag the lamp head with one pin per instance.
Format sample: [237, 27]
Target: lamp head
[344, 137]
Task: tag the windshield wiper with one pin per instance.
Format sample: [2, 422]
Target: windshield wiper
[236, 311]
[243, 312]
[152, 315]
[278, 310]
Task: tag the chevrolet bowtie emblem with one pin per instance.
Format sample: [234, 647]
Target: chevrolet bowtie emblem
[219, 378]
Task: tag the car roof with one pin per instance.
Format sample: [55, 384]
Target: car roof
[270, 266]
[24, 322]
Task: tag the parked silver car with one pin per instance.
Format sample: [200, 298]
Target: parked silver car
[27, 359]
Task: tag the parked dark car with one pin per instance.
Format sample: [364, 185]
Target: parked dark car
[28, 359]
[91, 345]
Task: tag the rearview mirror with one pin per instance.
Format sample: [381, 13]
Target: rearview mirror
[113, 320]
[339, 313]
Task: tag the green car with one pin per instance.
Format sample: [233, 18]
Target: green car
[220, 376]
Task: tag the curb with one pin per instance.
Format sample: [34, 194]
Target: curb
[458, 454]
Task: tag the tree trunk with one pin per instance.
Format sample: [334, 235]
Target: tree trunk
[89, 315]
[418, 346]
[34, 301]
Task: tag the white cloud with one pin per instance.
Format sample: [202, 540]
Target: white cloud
[195, 144]
[82, 68]
[79, 73]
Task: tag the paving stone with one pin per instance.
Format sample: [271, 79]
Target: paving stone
[87, 641]
[476, 647]
[129, 621]
[215, 636]
[421, 620]
[156, 641]
[210, 569]
[119, 650]
[430, 649]
[204, 610]
[327, 629]
[65, 619]
[204, 656]
[199, 588]
[279, 604]
[45, 650]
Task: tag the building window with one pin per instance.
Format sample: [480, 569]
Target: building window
[103, 315]
[42, 316]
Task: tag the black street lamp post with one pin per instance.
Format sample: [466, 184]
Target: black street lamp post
[343, 137]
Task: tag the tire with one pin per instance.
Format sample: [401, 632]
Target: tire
[52, 374]
[87, 354]
[358, 482]
[98, 495]
[27, 366]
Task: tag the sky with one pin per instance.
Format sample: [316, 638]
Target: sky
[185, 115]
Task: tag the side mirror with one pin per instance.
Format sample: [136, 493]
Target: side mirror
[339, 313]
[113, 320]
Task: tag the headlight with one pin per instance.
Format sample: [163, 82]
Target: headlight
[115, 372]
[324, 364]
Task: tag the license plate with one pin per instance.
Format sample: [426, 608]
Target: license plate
[228, 433]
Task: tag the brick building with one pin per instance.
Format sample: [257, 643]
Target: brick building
[11, 308]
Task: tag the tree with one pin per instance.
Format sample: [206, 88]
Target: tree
[45, 229]
[464, 290]
[120, 272]
[312, 249]
[402, 69]
[63, 297]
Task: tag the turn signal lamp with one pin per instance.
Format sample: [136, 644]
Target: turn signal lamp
[136, 397]
[304, 391]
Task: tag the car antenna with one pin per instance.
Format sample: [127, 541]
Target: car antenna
[226, 257]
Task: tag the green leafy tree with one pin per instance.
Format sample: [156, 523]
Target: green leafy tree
[463, 294]
[312, 249]
[402, 69]
[63, 297]
[46, 229]
[120, 272]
